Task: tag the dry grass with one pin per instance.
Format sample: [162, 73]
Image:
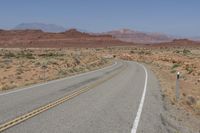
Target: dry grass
[26, 66]
[165, 63]
[21, 67]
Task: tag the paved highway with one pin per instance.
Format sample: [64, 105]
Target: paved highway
[122, 98]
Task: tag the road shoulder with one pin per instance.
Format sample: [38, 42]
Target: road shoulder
[151, 119]
[174, 118]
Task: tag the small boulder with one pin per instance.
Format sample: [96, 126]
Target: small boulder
[191, 100]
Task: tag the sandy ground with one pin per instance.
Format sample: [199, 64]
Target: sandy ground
[165, 63]
[22, 67]
[184, 114]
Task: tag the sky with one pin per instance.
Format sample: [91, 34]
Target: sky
[174, 17]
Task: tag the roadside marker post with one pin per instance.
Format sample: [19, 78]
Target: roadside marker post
[44, 76]
[177, 86]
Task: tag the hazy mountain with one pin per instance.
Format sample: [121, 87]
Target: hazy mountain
[40, 26]
[139, 37]
[70, 38]
[195, 38]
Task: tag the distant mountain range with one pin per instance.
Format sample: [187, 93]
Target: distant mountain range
[40, 26]
[139, 37]
[126, 35]
[195, 39]
[70, 38]
[74, 38]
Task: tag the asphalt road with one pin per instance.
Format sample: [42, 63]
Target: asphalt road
[128, 102]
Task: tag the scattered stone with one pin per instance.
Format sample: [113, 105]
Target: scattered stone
[191, 100]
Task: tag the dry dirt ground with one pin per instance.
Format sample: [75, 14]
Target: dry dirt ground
[165, 63]
[70, 38]
[182, 115]
[22, 67]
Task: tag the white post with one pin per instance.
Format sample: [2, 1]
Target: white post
[44, 75]
[177, 86]
[44, 67]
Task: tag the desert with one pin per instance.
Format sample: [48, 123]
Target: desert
[31, 57]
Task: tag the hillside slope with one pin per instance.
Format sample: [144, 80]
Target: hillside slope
[139, 37]
[70, 38]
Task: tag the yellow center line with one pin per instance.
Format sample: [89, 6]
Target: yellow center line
[44, 108]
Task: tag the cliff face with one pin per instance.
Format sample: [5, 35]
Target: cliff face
[70, 38]
[139, 37]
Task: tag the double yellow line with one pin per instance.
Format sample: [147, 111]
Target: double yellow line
[44, 108]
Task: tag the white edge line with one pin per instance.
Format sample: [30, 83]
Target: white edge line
[139, 112]
[49, 82]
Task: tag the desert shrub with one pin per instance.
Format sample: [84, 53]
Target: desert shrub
[53, 62]
[44, 66]
[76, 69]
[173, 71]
[191, 100]
[104, 60]
[189, 70]
[51, 54]
[25, 54]
[37, 64]
[19, 71]
[175, 66]
[61, 72]
[18, 77]
[197, 106]
[186, 51]
[29, 56]
[81, 68]
[8, 67]
[177, 51]
[77, 60]
[98, 49]
[2, 65]
[9, 55]
[71, 70]
[147, 53]
[8, 87]
[61, 59]
[141, 52]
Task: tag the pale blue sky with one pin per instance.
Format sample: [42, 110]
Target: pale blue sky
[176, 17]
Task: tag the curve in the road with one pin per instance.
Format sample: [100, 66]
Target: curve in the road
[139, 112]
[44, 108]
[40, 84]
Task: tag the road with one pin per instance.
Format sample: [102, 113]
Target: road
[122, 98]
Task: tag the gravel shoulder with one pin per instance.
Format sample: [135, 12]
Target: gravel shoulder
[174, 116]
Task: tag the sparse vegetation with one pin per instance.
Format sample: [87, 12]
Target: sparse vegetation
[189, 70]
[186, 52]
[8, 87]
[26, 66]
[166, 62]
[26, 71]
[173, 71]
[9, 55]
[175, 66]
